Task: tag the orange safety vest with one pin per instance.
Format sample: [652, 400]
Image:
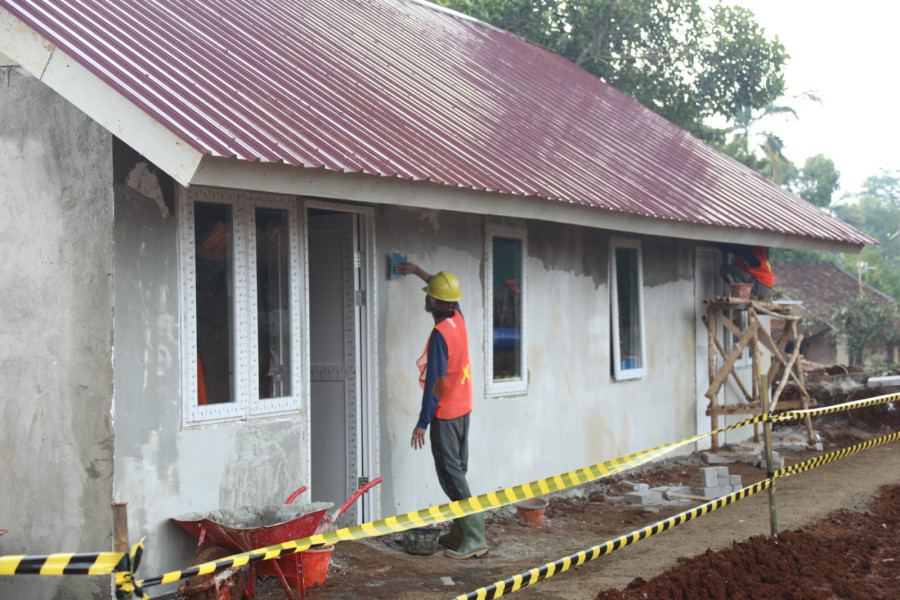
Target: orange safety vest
[453, 390]
[762, 273]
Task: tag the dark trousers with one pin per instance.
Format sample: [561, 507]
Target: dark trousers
[450, 448]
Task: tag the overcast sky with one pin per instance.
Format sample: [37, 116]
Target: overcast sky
[848, 53]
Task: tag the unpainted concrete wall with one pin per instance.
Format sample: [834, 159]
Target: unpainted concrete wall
[163, 469]
[574, 414]
[56, 324]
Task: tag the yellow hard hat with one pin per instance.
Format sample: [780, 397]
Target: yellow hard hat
[444, 286]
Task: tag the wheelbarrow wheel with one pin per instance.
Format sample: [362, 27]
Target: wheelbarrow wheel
[204, 587]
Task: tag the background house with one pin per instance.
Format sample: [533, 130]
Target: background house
[199, 203]
[821, 288]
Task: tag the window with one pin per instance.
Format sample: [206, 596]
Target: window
[731, 335]
[629, 356]
[505, 314]
[739, 319]
[241, 293]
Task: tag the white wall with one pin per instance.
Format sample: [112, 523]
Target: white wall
[574, 414]
[56, 321]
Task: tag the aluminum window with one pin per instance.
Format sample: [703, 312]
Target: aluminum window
[241, 295]
[506, 282]
[629, 355]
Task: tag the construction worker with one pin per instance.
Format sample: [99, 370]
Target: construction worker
[446, 379]
[751, 266]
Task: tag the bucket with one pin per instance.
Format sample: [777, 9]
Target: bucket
[531, 511]
[315, 565]
[423, 540]
[741, 290]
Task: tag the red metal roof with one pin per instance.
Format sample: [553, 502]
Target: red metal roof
[821, 286]
[402, 88]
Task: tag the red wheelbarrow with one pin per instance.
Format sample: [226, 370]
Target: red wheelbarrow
[221, 533]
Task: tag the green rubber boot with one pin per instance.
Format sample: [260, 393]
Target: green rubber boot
[473, 542]
[452, 538]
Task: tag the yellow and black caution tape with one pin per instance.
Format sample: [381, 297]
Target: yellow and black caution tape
[818, 461]
[105, 563]
[517, 582]
[825, 410]
[92, 563]
[125, 586]
[442, 513]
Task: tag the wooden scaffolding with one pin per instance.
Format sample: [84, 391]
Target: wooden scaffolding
[751, 334]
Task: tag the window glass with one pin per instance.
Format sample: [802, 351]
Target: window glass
[506, 313]
[273, 302]
[628, 354]
[213, 226]
[628, 286]
[507, 281]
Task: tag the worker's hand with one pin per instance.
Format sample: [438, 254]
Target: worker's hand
[407, 267]
[418, 438]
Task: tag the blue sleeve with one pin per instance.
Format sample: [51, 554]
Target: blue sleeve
[437, 368]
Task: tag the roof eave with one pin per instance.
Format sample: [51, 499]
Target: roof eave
[358, 187]
[94, 97]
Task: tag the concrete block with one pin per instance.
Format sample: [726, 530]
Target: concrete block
[643, 497]
[724, 481]
[640, 487]
[735, 480]
[722, 471]
[715, 459]
[709, 477]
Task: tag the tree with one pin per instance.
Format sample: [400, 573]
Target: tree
[680, 60]
[876, 212]
[867, 327]
[817, 181]
[885, 186]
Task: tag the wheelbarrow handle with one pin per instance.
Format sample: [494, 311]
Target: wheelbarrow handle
[332, 518]
[296, 493]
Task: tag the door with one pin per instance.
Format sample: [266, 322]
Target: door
[706, 285]
[335, 393]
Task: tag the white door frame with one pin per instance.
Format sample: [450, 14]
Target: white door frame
[368, 464]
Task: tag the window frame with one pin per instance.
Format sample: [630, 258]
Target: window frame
[505, 387]
[247, 404]
[620, 373]
[741, 320]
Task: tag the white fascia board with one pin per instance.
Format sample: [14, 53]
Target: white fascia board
[370, 189]
[22, 45]
[96, 99]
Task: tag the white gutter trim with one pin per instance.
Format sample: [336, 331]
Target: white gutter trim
[372, 189]
[96, 99]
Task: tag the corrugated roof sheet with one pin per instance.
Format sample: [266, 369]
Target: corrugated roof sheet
[402, 88]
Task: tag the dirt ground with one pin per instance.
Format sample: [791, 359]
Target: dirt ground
[837, 527]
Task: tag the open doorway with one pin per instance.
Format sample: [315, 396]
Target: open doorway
[343, 441]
